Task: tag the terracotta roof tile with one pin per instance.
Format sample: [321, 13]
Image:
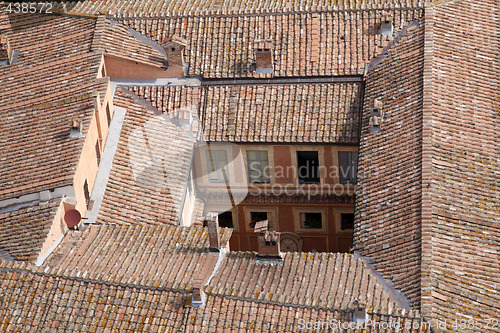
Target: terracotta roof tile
[322, 113]
[149, 172]
[389, 167]
[157, 256]
[49, 85]
[158, 8]
[284, 113]
[31, 300]
[325, 43]
[322, 280]
[461, 204]
[427, 213]
[23, 231]
[117, 40]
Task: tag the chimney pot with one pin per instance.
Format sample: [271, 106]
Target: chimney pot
[386, 27]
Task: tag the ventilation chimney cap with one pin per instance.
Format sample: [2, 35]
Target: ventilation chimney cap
[212, 222]
[359, 315]
[174, 48]
[198, 294]
[5, 51]
[386, 27]
[264, 62]
[269, 246]
[75, 128]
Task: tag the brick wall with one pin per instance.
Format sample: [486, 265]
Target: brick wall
[388, 204]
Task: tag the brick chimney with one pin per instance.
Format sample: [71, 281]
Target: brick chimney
[268, 242]
[212, 223]
[5, 51]
[264, 62]
[175, 51]
[198, 294]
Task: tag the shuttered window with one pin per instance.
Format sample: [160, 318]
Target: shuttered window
[98, 152]
[86, 193]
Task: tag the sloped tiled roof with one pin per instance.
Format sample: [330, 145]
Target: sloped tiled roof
[388, 209]
[323, 43]
[120, 41]
[35, 301]
[161, 8]
[461, 168]
[157, 256]
[50, 84]
[319, 112]
[317, 280]
[23, 231]
[428, 209]
[139, 278]
[150, 168]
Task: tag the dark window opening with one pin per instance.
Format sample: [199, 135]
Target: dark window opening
[98, 152]
[226, 220]
[257, 217]
[312, 221]
[346, 221]
[86, 193]
[258, 166]
[348, 167]
[307, 163]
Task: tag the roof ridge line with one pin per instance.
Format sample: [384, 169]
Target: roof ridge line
[398, 296]
[289, 80]
[139, 100]
[254, 12]
[88, 280]
[302, 306]
[394, 42]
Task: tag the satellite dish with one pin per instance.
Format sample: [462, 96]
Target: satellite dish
[72, 218]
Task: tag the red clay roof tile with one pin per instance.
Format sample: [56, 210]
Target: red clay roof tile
[23, 231]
